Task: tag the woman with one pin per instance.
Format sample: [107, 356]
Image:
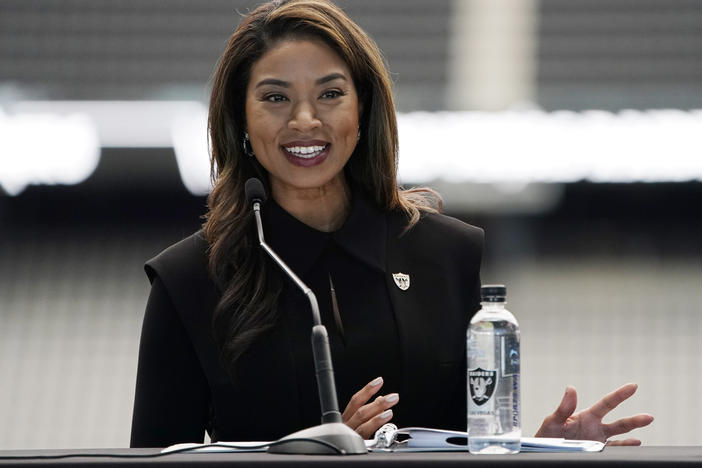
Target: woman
[302, 99]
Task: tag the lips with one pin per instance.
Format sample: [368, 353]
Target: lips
[306, 153]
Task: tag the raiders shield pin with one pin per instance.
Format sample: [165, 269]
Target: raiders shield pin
[482, 384]
[402, 280]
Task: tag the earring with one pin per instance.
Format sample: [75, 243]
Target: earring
[248, 150]
[358, 137]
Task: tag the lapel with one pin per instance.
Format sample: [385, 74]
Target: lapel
[419, 314]
[194, 294]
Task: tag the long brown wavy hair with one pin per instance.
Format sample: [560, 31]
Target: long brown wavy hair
[250, 284]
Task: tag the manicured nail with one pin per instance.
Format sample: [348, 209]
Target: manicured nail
[376, 382]
[392, 398]
[386, 414]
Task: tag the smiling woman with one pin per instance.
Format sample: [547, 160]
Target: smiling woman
[302, 117]
[302, 99]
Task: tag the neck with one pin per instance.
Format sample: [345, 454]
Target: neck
[323, 208]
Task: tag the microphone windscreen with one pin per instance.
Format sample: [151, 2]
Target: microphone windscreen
[253, 188]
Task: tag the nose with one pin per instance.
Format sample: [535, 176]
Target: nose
[304, 118]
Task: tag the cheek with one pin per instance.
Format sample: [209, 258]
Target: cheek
[353, 132]
[349, 127]
[260, 126]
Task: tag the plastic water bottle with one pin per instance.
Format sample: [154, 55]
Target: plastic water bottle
[492, 344]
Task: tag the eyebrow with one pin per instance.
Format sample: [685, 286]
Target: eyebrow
[286, 84]
[331, 77]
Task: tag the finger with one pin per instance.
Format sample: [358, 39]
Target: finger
[361, 397]
[612, 400]
[624, 425]
[366, 412]
[628, 442]
[554, 424]
[567, 406]
[367, 429]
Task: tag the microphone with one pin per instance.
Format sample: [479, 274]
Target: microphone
[254, 191]
[332, 436]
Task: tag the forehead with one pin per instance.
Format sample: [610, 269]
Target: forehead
[298, 59]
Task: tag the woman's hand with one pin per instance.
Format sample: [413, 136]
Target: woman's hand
[366, 418]
[587, 424]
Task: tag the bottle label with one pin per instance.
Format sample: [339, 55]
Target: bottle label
[482, 385]
[510, 356]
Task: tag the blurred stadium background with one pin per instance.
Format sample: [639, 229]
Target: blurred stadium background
[574, 140]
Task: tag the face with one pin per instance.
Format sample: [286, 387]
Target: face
[302, 115]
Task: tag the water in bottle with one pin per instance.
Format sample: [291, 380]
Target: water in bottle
[492, 344]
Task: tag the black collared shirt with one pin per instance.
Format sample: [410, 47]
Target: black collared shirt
[362, 331]
[182, 387]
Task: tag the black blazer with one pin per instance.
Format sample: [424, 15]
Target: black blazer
[441, 255]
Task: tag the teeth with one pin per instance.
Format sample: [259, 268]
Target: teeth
[306, 152]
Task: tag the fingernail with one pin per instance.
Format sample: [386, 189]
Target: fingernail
[376, 382]
[386, 414]
[392, 398]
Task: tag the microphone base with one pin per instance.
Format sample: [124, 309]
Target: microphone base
[346, 440]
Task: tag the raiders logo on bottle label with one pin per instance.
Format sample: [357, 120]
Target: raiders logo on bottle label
[482, 385]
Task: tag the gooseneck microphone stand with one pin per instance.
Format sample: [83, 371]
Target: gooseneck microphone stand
[332, 436]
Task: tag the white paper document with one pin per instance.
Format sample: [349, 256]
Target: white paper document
[426, 439]
[409, 439]
[218, 447]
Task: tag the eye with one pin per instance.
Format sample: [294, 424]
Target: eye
[331, 94]
[274, 97]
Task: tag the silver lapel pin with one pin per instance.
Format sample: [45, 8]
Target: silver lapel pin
[402, 280]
